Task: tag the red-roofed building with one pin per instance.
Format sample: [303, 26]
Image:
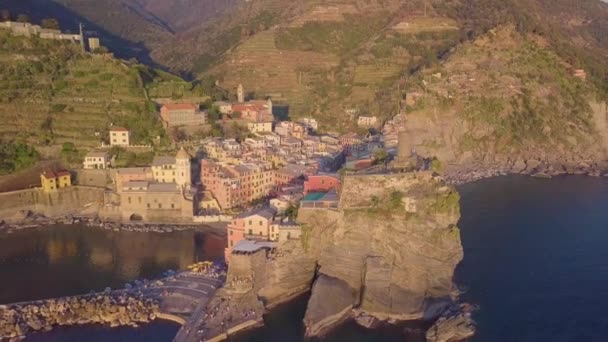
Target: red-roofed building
[182, 114]
[256, 110]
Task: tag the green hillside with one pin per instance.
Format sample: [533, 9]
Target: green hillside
[52, 93]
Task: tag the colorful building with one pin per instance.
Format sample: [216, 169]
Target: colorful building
[51, 181]
[321, 183]
[253, 225]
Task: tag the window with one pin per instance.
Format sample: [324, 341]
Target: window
[172, 206]
[148, 205]
[231, 243]
[250, 231]
[231, 232]
[250, 223]
[160, 205]
[139, 199]
[261, 223]
[129, 199]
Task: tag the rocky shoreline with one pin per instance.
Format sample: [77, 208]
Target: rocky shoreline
[29, 220]
[460, 174]
[126, 308]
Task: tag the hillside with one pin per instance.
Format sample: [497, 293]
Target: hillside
[503, 98]
[333, 59]
[52, 93]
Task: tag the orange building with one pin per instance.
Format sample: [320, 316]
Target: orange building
[52, 181]
[253, 225]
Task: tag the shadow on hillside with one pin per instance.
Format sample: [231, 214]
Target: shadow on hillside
[69, 20]
[280, 112]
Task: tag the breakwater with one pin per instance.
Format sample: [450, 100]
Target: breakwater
[120, 309]
[176, 297]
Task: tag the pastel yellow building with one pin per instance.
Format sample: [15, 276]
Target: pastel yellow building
[52, 181]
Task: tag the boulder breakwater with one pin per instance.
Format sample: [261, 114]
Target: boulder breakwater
[125, 308]
[176, 297]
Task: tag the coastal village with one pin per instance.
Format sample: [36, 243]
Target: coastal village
[254, 185]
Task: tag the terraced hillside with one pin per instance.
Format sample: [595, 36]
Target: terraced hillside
[52, 93]
[342, 56]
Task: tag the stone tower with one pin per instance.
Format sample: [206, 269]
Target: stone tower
[183, 176]
[240, 93]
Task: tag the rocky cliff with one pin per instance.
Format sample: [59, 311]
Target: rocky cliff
[505, 101]
[387, 253]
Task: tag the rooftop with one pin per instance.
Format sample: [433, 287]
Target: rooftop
[180, 106]
[131, 170]
[97, 154]
[248, 246]
[163, 187]
[118, 129]
[163, 160]
[264, 212]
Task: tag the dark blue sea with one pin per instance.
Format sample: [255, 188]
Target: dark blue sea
[536, 264]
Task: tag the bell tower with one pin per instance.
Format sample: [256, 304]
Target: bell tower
[240, 93]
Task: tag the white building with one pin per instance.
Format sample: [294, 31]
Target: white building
[310, 123]
[367, 121]
[260, 127]
[119, 136]
[96, 160]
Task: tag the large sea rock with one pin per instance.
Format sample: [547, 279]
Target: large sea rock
[387, 253]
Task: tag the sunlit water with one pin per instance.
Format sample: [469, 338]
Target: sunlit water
[536, 262]
[66, 260]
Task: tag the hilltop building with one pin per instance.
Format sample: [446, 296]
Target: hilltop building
[182, 115]
[51, 181]
[29, 30]
[120, 136]
[96, 160]
[367, 121]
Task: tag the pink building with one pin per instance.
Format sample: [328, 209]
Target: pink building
[321, 183]
[254, 225]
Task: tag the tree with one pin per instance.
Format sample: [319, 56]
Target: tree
[380, 155]
[23, 18]
[291, 212]
[5, 15]
[50, 23]
[178, 134]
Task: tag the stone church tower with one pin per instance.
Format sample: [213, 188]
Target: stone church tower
[183, 176]
[240, 93]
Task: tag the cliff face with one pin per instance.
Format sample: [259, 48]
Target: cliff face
[387, 253]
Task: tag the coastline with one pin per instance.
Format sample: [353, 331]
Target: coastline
[32, 220]
[461, 174]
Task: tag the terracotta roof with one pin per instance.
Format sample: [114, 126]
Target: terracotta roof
[63, 173]
[49, 174]
[118, 129]
[179, 106]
